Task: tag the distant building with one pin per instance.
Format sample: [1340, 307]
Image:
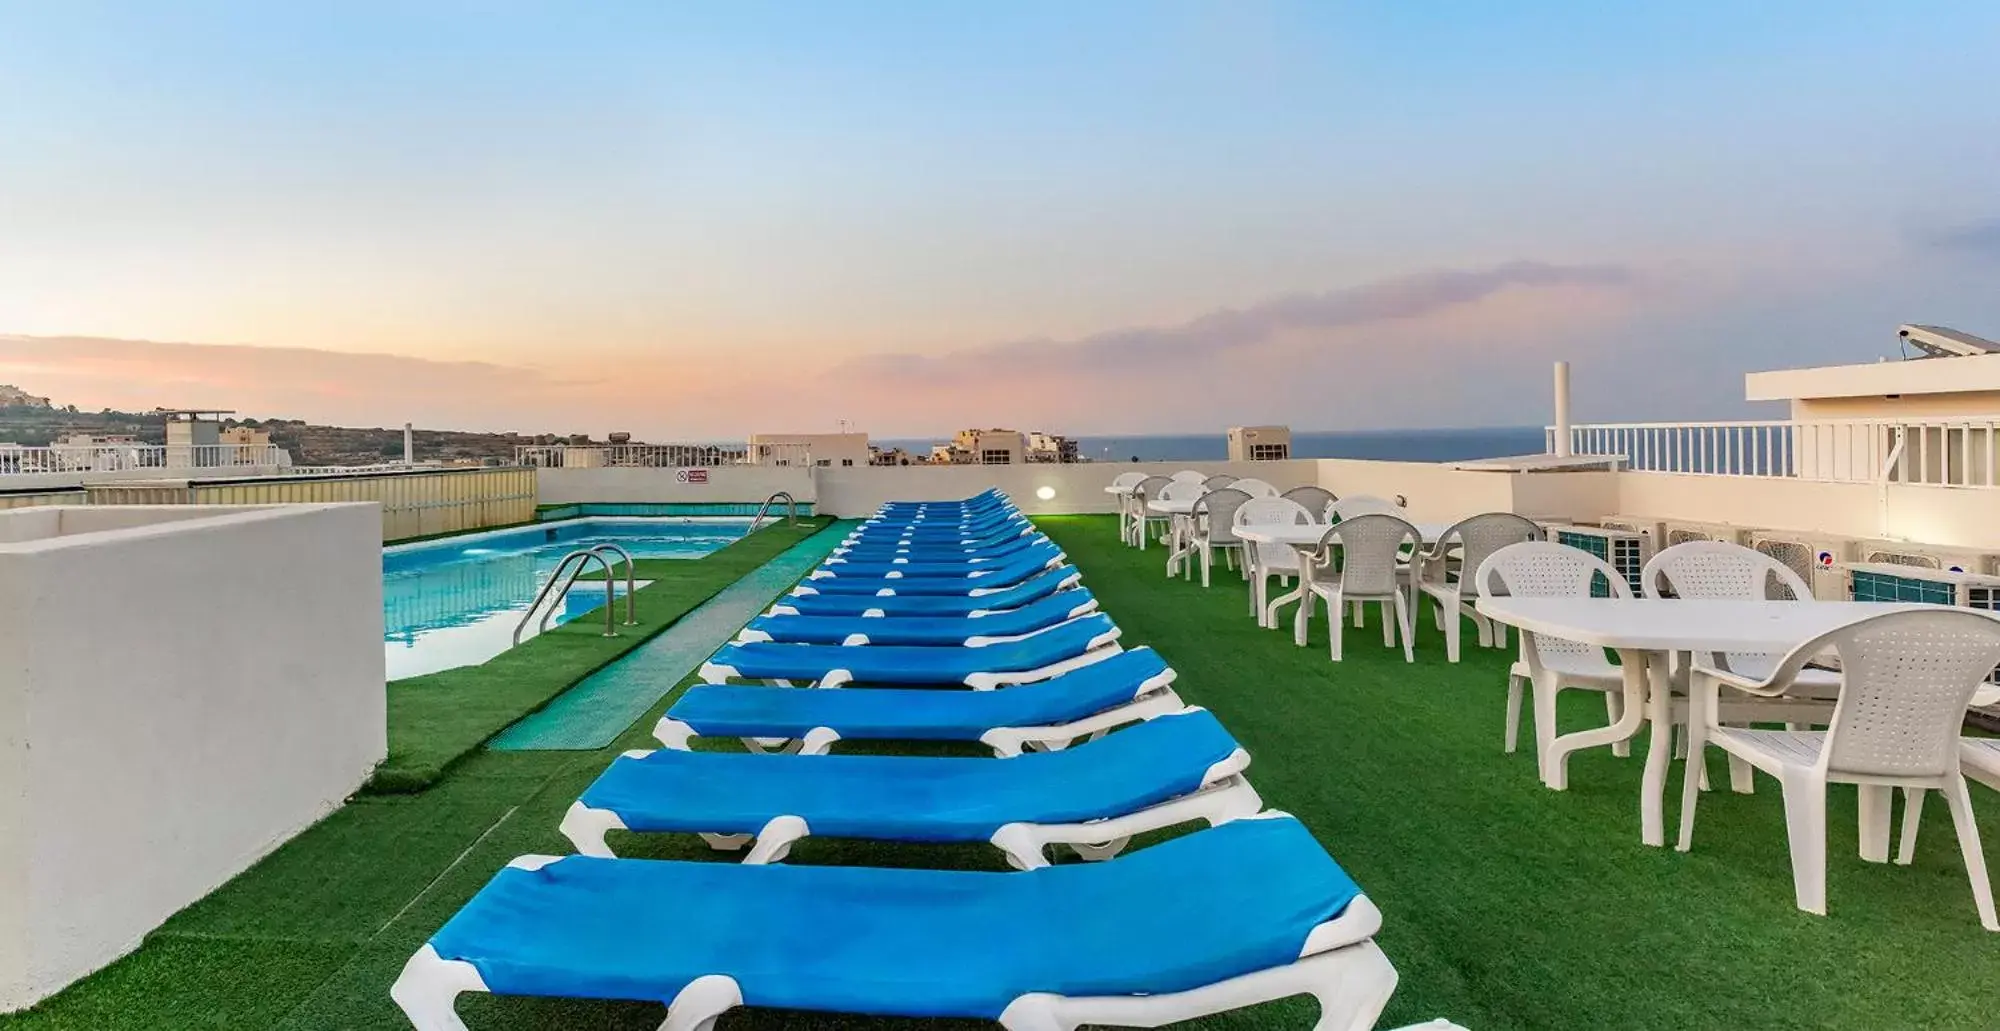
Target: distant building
[984, 447]
[1260, 443]
[821, 449]
[1051, 447]
[244, 436]
[892, 456]
[192, 434]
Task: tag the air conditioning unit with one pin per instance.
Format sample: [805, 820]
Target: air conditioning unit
[1647, 529]
[1902, 582]
[1927, 556]
[1678, 531]
[1818, 558]
[1622, 549]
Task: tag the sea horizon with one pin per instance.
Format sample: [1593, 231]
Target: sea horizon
[1454, 444]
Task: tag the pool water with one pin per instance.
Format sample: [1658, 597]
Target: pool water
[456, 602]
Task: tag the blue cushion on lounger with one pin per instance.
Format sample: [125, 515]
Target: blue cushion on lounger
[914, 798]
[921, 630]
[1039, 586]
[1184, 913]
[879, 664]
[917, 714]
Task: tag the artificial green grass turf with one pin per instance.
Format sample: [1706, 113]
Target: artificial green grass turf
[436, 719]
[1506, 905]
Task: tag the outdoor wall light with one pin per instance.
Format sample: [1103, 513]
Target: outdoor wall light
[1045, 493]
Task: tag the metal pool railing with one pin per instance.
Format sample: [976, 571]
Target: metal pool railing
[564, 576]
[791, 508]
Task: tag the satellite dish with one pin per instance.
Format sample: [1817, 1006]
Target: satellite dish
[1945, 342]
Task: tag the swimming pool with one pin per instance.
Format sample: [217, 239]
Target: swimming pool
[455, 602]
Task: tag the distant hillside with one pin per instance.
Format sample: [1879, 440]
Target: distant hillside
[40, 424]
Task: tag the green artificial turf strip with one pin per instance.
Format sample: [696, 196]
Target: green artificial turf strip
[1506, 905]
[437, 719]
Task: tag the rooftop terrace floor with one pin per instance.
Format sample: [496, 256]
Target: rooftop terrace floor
[1505, 905]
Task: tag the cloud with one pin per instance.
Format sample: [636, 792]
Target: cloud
[291, 382]
[1979, 238]
[1228, 332]
[1448, 347]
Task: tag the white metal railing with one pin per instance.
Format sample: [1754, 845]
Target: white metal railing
[17, 460]
[665, 456]
[1957, 452]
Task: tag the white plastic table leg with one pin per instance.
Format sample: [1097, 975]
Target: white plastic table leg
[1555, 762]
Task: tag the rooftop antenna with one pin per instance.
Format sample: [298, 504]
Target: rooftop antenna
[1943, 342]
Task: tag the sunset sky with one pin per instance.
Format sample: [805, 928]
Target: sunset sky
[697, 220]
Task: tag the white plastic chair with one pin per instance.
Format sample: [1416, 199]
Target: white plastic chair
[1315, 499]
[1544, 569]
[1125, 482]
[1218, 481]
[1362, 504]
[1256, 488]
[1371, 568]
[1719, 570]
[1265, 561]
[1186, 475]
[1906, 680]
[1140, 527]
[1445, 573]
[1212, 527]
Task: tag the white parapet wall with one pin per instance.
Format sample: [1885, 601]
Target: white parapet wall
[182, 689]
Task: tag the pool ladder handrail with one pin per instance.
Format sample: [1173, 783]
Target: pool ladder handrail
[564, 576]
[791, 508]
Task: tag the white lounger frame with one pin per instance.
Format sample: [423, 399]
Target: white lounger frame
[1340, 966]
[1153, 697]
[748, 635]
[1224, 795]
[1099, 648]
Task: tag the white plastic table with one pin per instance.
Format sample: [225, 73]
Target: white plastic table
[1182, 542]
[1305, 538]
[1646, 633]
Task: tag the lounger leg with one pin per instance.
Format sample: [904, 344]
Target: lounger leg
[428, 987]
[1913, 810]
[774, 841]
[585, 828]
[703, 1000]
[1351, 984]
[727, 842]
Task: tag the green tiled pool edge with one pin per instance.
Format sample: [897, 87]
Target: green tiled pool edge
[593, 713]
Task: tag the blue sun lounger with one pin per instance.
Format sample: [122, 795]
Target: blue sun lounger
[934, 631]
[934, 568]
[1232, 916]
[1000, 574]
[933, 532]
[993, 599]
[1128, 686]
[1163, 772]
[1017, 660]
[994, 548]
